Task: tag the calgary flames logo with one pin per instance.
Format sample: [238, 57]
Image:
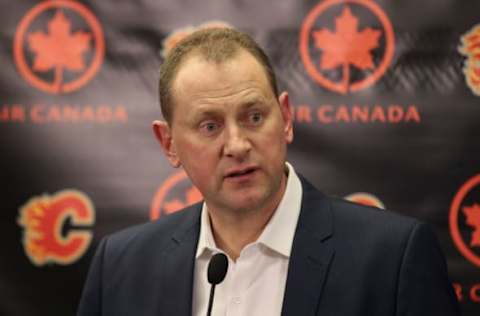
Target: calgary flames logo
[365, 199]
[351, 57]
[471, 49]
[167, 199]
[44, 220]
[56, 58]
[465, 220]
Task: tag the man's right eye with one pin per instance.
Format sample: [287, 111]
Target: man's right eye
[209, 127]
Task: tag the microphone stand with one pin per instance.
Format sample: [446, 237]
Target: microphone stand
[210, 300]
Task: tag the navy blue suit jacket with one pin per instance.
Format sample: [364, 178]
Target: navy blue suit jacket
[346, 260]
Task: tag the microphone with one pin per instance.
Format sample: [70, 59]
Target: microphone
[217, 269]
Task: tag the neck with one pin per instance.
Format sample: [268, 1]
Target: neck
[233, 230]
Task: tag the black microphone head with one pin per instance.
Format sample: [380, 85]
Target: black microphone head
[217, 268]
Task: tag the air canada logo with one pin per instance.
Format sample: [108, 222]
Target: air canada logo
[465, 220]
[346, 45]
[55, 227]
[365, 199]
[59, 46]
[174, 194]
[470, 48]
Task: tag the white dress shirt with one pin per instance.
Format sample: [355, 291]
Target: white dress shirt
[255, 283]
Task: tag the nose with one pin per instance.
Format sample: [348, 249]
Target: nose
[236, 145]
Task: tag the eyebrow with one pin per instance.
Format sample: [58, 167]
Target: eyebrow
[200, 114]
[253, 101]
[206, 110]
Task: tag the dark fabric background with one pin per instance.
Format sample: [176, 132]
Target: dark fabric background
[414, 168]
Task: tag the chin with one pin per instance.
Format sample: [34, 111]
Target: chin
[248, 202]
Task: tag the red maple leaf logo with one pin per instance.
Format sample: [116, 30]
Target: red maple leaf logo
[473, 219]
[192, 196]
[59, 49]
[346, 45]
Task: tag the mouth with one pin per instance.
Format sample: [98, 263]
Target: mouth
[240, 173]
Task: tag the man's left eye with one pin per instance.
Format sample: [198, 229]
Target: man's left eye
[256, 117]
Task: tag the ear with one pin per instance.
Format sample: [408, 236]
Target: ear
[164, 136]
[286, 110]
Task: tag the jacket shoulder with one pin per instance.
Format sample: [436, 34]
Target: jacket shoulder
[158, 232]
[353, 219]
[351, 213]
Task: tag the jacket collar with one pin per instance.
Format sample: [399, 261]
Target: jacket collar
[311, 254]
[178, 265]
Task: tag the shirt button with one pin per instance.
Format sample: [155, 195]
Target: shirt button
[236, 300]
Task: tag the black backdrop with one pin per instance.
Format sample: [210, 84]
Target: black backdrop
[392, 120]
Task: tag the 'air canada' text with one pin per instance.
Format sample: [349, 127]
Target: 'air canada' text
[330, 114]
[44, 114]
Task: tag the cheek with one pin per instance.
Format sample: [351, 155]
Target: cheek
[272, 148]
[275, 147]
[274, 138]
[199, 160]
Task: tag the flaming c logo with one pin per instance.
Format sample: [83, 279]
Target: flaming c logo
[365, 199]
[51, 54]
[43, 219]
[174, 194]
[465, 220]
[338, 52]
[471, 49]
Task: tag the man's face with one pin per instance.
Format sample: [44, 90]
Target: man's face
[229, 132]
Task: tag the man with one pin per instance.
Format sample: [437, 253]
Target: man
[291, 249]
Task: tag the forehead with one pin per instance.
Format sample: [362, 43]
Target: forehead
[201, 78]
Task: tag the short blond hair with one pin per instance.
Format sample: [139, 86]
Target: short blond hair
[216, 45]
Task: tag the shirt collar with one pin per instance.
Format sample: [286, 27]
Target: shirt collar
[206, 242]
[278, 233]
[280, 230]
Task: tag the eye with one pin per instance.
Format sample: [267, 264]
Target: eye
[255, 118]
[209, 127]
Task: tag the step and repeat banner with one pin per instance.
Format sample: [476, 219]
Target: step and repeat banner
[386, 102]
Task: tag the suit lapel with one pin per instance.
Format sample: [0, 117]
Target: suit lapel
[311, 254]
[178, 267]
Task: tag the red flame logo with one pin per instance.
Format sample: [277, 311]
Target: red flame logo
[43, 218]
